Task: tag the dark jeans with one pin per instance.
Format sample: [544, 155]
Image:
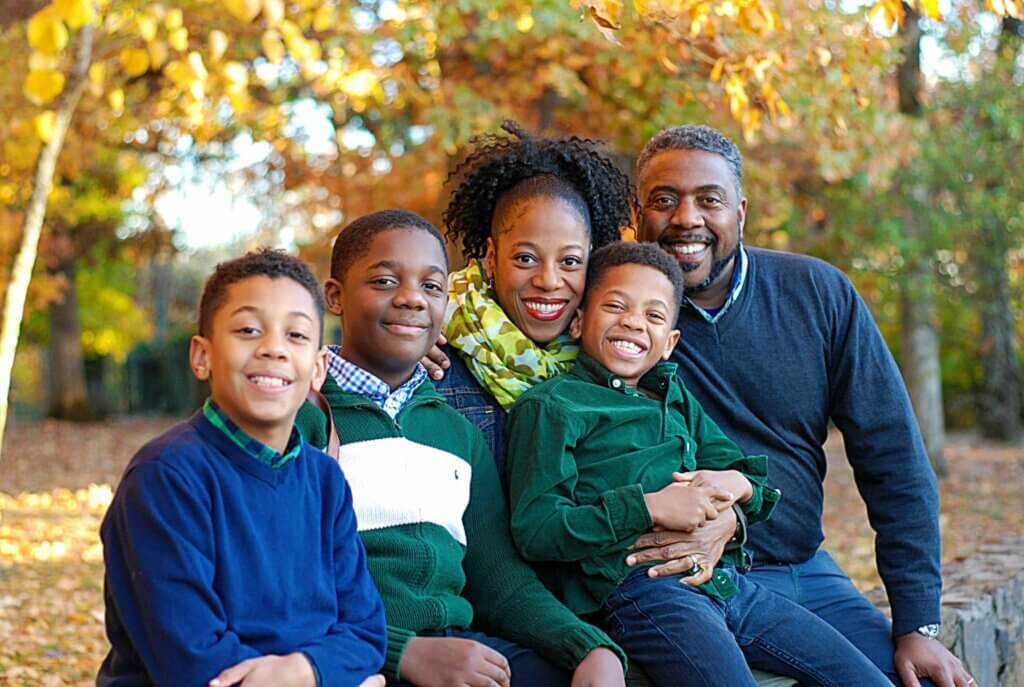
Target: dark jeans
[821, 586]
[528, 669]
[679, 635]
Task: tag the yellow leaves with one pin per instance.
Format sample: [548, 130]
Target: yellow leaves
[272, 46]
[324, 18]
[77, 13]
[524, 22]
[359, 84]
[273, 12]
[245, 10]
[607, 15]
[930, 9]
[147, 27]
[174, 19]
[135, 61]
[44, 124]
[44, 528]
[217, 45]
[887, 13]
[157, 54]
[178, 39]
[236, 77]
[116, 100]
[42, 86]
[1006, 8]
[46, 32]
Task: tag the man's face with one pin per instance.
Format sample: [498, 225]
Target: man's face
[688, 203]
[262, 355]
[391, 303]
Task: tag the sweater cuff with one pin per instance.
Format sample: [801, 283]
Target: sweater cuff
[398, 639]
[627, 511]
[584, 639]
[908, 614]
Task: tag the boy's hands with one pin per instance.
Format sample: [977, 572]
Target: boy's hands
[453, 662]
[731, 481]
[435, 360]
[685, 507]
[600, 668]
[683, 550]
[292, 670]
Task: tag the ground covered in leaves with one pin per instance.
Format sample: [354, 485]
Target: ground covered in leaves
[56, 480]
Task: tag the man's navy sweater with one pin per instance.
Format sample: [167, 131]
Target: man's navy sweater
[213, 557]
[799, 348]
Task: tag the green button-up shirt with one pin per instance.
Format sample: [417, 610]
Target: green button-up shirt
[584, 448]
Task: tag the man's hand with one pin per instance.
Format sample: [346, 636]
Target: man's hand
[600, 668]
[293, 670]
[918, 656]
[436, 361]
[453, 662]
[681, 506]
[729, 481]
[373, 681]
[683, 550]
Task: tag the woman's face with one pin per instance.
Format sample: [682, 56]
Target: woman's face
[537, 256]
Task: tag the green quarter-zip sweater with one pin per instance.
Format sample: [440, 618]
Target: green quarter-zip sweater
[434, 522]
[584, 448]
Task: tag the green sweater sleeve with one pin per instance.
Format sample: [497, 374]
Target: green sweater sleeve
[507, 596]
[715, 451]
[312, 424]
[398, 639]
[548, 522]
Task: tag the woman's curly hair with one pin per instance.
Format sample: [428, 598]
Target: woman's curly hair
[499, 164]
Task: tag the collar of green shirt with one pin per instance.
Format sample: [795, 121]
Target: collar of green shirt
[253, 447]
[658, 379]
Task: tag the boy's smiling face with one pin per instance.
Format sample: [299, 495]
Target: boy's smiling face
[391, 302]
[626, 323]
[262, 356]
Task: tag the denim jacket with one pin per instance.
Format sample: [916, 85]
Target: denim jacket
[460, 388]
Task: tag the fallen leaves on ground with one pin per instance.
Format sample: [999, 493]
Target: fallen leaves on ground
[56, 480]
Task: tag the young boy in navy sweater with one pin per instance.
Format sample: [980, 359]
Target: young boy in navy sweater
[230, 546]
[617, 446]
[463, 608]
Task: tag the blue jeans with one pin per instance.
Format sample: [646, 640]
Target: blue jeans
[528, 669]
[821, 586]
[679, 635]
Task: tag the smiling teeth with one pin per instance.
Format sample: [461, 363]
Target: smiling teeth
[268, 381]
[627, 346]
[690, 248]
[545, 308]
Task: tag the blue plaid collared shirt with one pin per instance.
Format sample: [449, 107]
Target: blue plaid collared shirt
[739, 278]
[355, 380]
[254, 447]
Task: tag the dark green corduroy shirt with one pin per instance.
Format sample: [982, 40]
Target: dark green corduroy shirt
[584, 448]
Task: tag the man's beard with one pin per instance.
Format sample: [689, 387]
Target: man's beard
[716, 269]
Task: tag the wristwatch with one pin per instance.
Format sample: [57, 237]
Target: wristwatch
[931, 631]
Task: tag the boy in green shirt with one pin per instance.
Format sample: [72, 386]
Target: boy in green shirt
[431, 513]
[616, 447]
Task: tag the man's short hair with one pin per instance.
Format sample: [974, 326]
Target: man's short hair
[266, 262]
[695, 137]
[354, 240]
[630, 253]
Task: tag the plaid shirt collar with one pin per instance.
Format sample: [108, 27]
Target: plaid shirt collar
[253, 447]
[355, 380]
[739, 278]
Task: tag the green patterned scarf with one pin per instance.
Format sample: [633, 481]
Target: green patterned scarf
[503, 359]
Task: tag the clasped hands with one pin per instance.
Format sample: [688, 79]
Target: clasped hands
[693, 521]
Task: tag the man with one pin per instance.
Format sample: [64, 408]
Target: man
[775, 346]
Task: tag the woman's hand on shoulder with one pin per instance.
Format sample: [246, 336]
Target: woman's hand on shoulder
[600, 668]
[436, 361]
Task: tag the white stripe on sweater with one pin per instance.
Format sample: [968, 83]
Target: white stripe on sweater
[395, 481]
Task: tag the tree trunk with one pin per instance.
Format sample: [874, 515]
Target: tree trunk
[1000, 393]
[68, 397]
[921, 370]
[24, 261]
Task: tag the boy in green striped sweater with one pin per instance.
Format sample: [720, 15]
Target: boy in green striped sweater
[462, 606]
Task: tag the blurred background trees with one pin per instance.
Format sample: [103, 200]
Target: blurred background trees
[885, 137]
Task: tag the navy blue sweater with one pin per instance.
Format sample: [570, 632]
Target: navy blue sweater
[799, 348]
[213, 557]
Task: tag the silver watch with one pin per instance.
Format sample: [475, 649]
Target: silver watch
[930, 631]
